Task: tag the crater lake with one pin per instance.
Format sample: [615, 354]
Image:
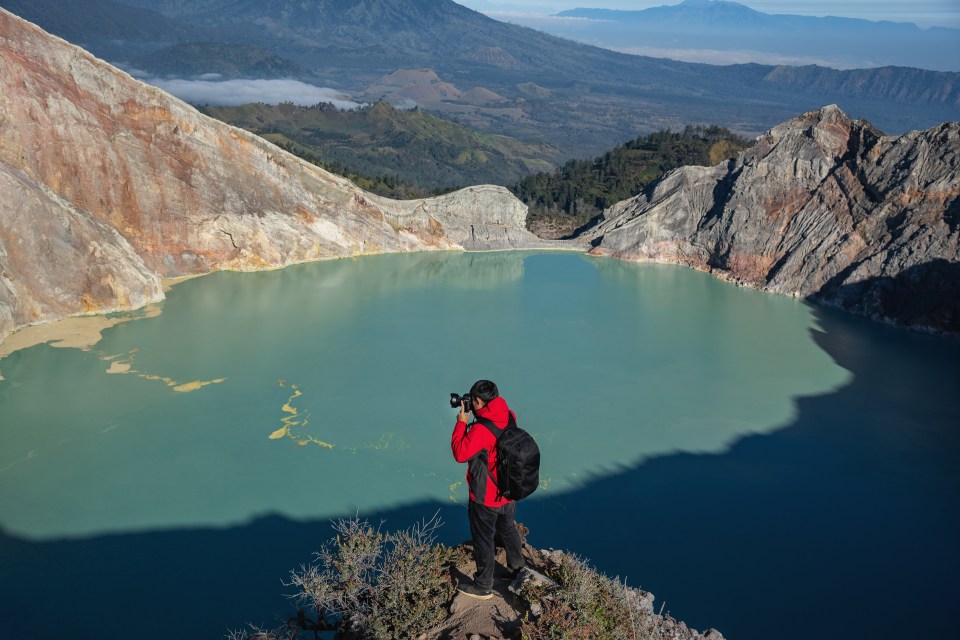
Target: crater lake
[764, 466]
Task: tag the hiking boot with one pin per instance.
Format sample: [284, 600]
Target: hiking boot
[515, 573]
[471, 589]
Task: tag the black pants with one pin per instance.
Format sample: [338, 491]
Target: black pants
[485, 524]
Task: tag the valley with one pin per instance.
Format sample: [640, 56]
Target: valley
[521, 83]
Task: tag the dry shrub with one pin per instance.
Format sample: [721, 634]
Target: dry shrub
[586, 605]
[370, 585]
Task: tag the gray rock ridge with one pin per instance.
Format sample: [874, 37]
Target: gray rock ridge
[110, 185]
[477, 218]
[822, 207]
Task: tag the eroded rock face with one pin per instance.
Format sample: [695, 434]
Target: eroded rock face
[57, 261]
[110, 184]
[823, 207]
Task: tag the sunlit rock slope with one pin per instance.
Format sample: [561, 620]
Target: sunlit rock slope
[823, 207]
[109, 184]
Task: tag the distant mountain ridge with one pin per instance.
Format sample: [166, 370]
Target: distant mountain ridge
[592, 98]
[725, 13]
[225, 60]
[85, 22]
[724, 25]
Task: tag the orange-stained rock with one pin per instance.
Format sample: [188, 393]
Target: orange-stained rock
[109, 184]
[823, 207]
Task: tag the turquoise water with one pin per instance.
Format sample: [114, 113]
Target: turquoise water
[320, 391]
[606, 363]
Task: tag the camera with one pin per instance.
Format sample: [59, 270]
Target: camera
[466, 399]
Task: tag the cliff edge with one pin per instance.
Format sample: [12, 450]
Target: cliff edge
[823, 207]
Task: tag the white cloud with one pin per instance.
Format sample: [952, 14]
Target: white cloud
[405, 104]
[236, 92]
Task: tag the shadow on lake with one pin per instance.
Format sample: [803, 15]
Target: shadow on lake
[841, 524]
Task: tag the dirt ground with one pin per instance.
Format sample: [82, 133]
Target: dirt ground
[472, 619]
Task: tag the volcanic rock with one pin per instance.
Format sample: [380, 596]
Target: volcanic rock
[110, 184]
[823, 207]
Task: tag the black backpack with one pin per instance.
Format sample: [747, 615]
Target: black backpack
[518, 460]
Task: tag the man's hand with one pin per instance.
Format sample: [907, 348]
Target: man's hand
[462, 416]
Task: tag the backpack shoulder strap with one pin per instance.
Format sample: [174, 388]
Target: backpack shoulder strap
[494, 429]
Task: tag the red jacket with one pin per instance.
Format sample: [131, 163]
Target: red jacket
[468, 444]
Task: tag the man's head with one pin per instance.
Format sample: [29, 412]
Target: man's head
[484, 391]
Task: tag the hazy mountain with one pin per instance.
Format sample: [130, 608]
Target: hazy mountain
[718, 25]
[105, 26]
[223, 59]
[588, 99]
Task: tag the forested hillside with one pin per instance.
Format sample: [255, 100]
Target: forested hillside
[394, 152]
[572, 196]
[412, 154]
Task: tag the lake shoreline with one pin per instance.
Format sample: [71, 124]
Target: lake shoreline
[83, 330]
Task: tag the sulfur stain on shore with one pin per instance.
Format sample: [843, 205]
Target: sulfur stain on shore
[78, 332]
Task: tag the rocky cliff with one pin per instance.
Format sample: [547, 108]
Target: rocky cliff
[822, 207]
[110, 184]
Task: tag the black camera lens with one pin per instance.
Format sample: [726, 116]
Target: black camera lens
[466, 399]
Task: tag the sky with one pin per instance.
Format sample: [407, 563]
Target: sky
[924, 13]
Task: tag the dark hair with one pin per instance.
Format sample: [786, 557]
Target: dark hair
[485, 390]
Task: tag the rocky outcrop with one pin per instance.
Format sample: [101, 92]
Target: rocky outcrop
[483, 217]
[822, 207]
[110, 184]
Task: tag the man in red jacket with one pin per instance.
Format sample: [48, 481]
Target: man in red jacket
[489, 513]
